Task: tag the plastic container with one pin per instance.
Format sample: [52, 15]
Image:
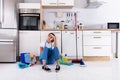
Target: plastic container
[80, 26]
[65, 59]
[62, 25]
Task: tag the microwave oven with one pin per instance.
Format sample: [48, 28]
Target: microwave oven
[29, 21]
[113, 25]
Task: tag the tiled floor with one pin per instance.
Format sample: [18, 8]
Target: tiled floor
[95, 70]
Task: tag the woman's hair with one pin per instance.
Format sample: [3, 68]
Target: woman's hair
[52, 34]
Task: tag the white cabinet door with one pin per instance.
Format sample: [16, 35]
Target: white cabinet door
[27, 6]
[97, 40]
[119, 45]
[97, 50]
[97, 43]
[49, 2]
[69, 43]
[79, 44]
[29, 41]
[44, 35]
[65, 2]
[97, 33]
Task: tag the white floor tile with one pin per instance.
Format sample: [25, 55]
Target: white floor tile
[95, 70]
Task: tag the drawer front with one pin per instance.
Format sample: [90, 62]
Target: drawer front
[97, 50]
[96, 40]
[97, 32]
[7, 52]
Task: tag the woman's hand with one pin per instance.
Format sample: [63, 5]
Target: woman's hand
[54, 38]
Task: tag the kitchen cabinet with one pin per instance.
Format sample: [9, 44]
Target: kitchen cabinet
[79, 45]
[29, 41]
[72, 45]
[27, 6]
[118, 46]
[97, 43]
[57, 2]
[69, 44]
[44, 35]
[65, 2]
[49, 2]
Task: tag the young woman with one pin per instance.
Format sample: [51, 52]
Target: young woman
[49, 53]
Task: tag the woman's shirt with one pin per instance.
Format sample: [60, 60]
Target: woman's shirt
[46, 44]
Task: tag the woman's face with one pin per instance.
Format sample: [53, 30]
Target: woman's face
[50, 38]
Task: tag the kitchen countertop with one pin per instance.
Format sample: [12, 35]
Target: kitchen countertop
[113, 30]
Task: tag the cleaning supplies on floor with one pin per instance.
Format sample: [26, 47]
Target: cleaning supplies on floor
[22, 65]
[64, 60]
[26, 60]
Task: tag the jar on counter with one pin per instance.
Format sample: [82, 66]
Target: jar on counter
[62, 24]
[57, 27]
[80, 26]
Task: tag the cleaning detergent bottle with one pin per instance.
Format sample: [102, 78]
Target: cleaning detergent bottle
[65, 58]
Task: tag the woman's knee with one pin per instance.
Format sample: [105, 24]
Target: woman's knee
[56, 49]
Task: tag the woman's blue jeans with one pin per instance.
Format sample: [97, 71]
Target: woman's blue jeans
[49, 55]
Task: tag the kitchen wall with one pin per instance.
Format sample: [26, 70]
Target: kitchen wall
[109, 11]
[97, 17]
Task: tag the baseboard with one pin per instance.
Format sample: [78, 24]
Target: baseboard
[85, 58]
[96, 58]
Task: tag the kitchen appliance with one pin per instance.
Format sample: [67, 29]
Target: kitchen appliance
[8, 41]
[8, 30]
[8, 13]
[113, 25]
[29, 21]
[1, 12]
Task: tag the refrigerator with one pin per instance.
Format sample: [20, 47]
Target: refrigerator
[8, 44]
[8, 30]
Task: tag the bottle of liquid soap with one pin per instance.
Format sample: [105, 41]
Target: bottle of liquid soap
[65, 58]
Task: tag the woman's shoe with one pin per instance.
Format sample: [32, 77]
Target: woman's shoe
[82, 64]
[57, 67]
[46, 68]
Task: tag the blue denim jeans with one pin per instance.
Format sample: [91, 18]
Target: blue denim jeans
[49, 55]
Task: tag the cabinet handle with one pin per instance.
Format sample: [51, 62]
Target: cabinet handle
[56, 32]
[97, 37]
[96, 47]
[62, 3]
[52, 3]
[97, 32]
[6, 43]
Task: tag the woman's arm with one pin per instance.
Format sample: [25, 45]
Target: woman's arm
[55, 42]
[41, 48]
